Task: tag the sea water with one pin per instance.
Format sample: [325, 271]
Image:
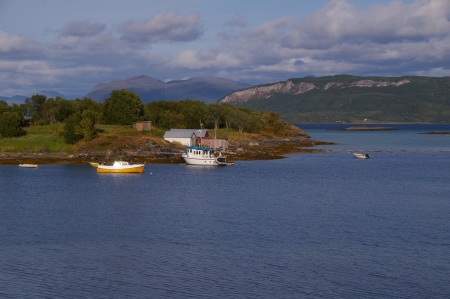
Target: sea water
[322, 225]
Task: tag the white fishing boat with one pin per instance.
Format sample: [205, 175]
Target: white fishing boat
[120, 167]
[205, 156]
[29, 165]
[361, 156]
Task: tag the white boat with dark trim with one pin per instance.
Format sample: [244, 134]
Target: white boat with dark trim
[205, 156]
[361, 156]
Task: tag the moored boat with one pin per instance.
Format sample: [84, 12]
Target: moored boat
[29, 165]
[361, 156]
[120, 167]
[204, 156]
[93, 164]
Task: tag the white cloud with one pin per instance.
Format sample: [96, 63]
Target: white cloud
[14, 44]
[163, 27]
[340, 21]
[191, 59]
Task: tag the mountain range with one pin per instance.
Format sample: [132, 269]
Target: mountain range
[345, 98]
[205, 89]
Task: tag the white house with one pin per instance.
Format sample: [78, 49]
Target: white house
[186, 137]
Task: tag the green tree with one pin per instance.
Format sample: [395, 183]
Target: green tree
[194, 112]
[34, 107]
[123, 107]
[240, 120]
[80, 125]
[48, 111]
[4, 106]
[11, 125]
[72, 132]
[87, 124]
[64, 108]
[216, 113]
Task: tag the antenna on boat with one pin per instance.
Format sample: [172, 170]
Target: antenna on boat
[201, 133]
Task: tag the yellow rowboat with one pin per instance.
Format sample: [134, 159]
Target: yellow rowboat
[120, 167]
[93, 164]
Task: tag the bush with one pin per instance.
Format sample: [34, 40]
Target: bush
[72, 132]
[10, 125]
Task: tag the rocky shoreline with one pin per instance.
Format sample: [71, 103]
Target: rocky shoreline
[246, 151]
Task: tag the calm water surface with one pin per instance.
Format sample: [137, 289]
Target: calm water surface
[309, 226]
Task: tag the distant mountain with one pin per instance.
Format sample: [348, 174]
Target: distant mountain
[20, 99]
[345, 98]
[205, 89]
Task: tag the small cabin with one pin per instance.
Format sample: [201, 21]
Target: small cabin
[142, 125]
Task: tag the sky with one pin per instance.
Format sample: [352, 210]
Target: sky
[70, 46]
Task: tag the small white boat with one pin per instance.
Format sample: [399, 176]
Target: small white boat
[361, 156]
[29, 165]
[120, 167]
[204, 156]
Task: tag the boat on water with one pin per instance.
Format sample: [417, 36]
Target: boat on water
[120, 167]
[361, 156]
[204, 156]
[93, 164]
[29, 165]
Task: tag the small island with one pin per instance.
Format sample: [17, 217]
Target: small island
[123, 128]
[366, 128]
[437, 133]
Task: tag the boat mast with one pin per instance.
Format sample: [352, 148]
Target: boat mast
[201, 132]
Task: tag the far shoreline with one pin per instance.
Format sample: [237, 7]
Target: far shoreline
[367, 128]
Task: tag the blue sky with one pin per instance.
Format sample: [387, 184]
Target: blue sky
[70, 46]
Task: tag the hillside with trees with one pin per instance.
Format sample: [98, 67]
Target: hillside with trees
[351, 99]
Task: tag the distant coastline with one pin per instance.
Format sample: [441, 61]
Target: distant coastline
[366, 128]
[437, 133]
[424, 127]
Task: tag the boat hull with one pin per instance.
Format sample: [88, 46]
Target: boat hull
[111, 169]
[200, 161]
[120, 167]
[361, 156]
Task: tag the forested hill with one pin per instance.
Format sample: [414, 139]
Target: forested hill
[345, 98]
